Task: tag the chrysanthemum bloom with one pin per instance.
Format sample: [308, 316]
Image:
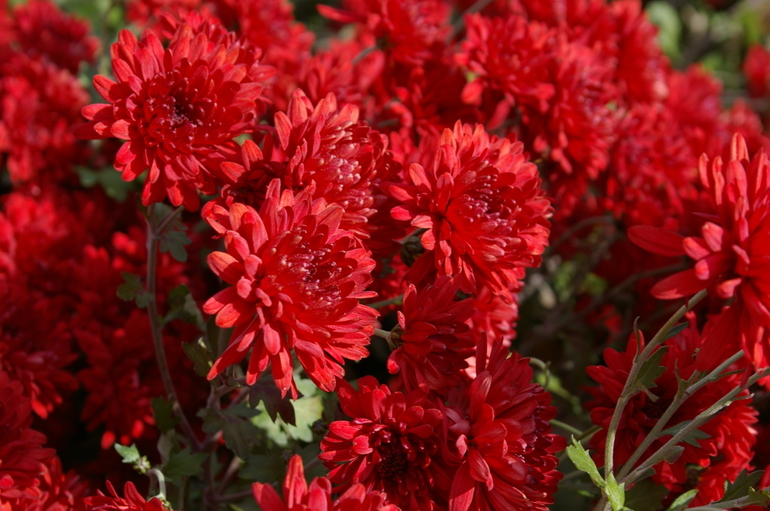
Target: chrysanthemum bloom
[132, 501]
[41, 29]
[39, 107]
[433, 340]
[176, 108]
[731, 255]
[756, 68]
[59, 492]
[298, 496]
[501, 439]
[22, 456]
[295, 281]
[415, 31]
[719, 456]
[480, 201]
[392, 444]
[330, 147]
[508, 54]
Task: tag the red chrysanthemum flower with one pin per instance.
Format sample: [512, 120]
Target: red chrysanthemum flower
[480, 201]
[176, 108]
[732, 255]
[577, 128]
[392, 444]
[756, 67]
[39, 108]
[298, 496]
[415, 31]
[723, 452]
[501, 438]
[296, 279]
[508, 54]
[330, 147]
[22, 456]
[132, 501]
[42, 30]
[433, 340]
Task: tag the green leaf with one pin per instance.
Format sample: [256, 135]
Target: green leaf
[174, 243]
[676, 329]
[164, 415]
[275, 405]
[615, 493]
[691, 438]
[239, 434]
[681, 502]
[197, 352]
[263, 468]
[646, 495]
[584, 463]
[184, 464]
[308, 409]
[129, 454]
[740, 488]
[666, 17]
[182, 306]
[133, 289]
[651, 369]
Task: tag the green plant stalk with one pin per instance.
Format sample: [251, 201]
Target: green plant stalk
[629, 389]
[681, 396]
[663, 452]
[156, 327]
[724, 506]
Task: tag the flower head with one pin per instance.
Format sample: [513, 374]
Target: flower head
[22, 456]
[480, 201]
[501, 438]
[433, 340]
[176, 108]
[132, 501]
[298, 496]
[295, 281]
[391, 444]
[731, 255]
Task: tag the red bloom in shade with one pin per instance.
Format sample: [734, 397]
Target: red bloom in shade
[499, 430]
[22, 456]
[392, 444]
[481, 203]
[318, 496]
[132, 501]
[720, 457]
[732, 255]
[577, 128]
[508, 54]
[296, 279]
[415, 31]
[41, 29]
[177, 108]
[39, 108]
[756, 67]
[432, 337]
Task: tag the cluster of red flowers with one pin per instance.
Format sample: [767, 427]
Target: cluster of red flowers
[398, 183]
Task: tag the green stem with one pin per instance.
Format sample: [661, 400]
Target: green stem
[157, 328]
[384, 334]
[161, 482]
[681, 396]
[566, 427]
[663, 452]
[396, 300]
[630, 389]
